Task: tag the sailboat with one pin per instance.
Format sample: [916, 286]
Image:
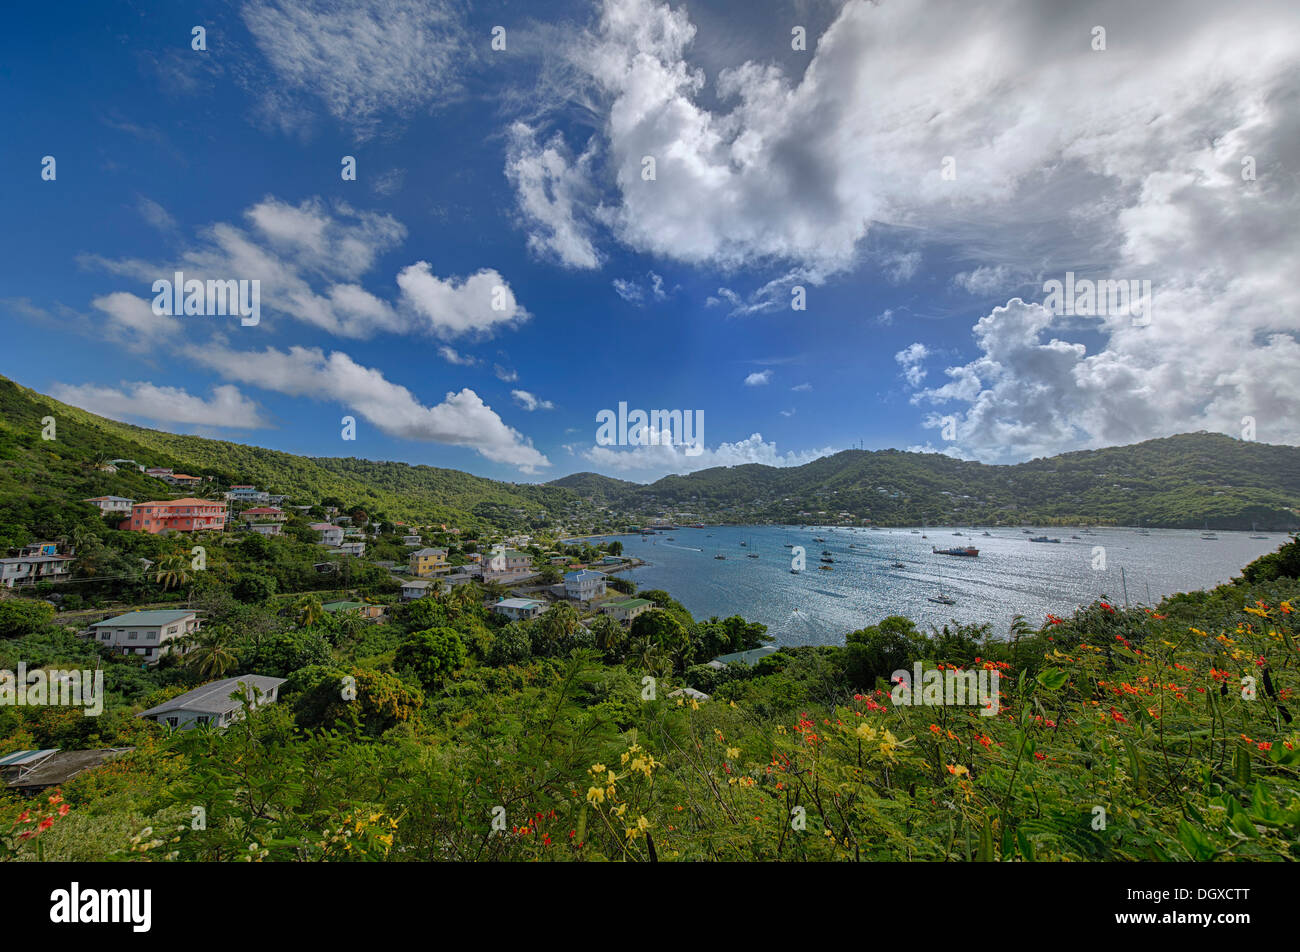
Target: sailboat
[1253, 533]
[1207, 534]
[943, 598]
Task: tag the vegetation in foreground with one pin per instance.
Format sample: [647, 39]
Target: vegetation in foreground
[1161, 733]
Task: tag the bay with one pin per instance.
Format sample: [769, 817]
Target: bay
[1010, 576]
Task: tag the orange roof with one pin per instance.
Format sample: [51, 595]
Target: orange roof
[189, 501]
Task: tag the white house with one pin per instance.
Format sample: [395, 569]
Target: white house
[213, 703]
[416, 588]
[329, 534]
[29, 569]
[584, 585]
[149, 634]
[266, 528]
[507, 565]
[112, 505]
[247, 493]
[357, 549]
[519, 609]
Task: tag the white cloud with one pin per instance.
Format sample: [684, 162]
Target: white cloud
[477, 306]
[1124, 163]
[759, 378]
[227, 407]
[552, 188]
[363, 59]
[910, 359]
[132, 322]
[629, 291]
[504, 375]
[462, 419]
[530, 401]
[651, 461]
[453, 356]
[787, 413]
[802, 388]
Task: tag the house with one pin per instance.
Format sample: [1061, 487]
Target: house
[519, 609]
[110, 505]
[264, 514]
[584, 585]
[507, 565]
[176, 515]
[426, 562]
[356, 549]
[266, 528]
[752, 656]
[30, 771]
[329, 534]
[182, 479]
[627, 609]
[417, 588]
[246, 493]
[40, 548]
[413, 539]
[612, 560]
[690, 694]
[213, 704]
[119, 463]
[157, 472]
[30, 569]
[361, 608]
[149, 633]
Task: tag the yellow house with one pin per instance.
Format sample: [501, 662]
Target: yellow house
[425, 562]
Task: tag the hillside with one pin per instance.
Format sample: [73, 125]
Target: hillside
[1182, 481]
[38, 477]
[1185, 481]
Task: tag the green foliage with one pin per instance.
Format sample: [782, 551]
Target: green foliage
[434, 655]
[20, 617]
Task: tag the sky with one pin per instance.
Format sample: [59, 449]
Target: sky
[810, 225]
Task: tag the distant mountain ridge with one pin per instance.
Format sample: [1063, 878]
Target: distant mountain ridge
[1188, 481]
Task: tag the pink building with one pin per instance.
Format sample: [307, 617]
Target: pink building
[180, 515]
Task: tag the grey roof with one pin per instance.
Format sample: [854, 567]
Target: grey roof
[214, 698]
[518, 603]
[144, 619]
[752, 656]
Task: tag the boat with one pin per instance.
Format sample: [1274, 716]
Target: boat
[1254, 531]
[745, 544]
[752, 555]
[1043, 539]
[897, 565]
[943, 599]
[826, 551]
[818, 539]
[956, 533]
[916, 531]
[720, 556]
[825, 568]
[969, 551]
[794, 571]
[1075, 537]
[828, 560]
[989, 534]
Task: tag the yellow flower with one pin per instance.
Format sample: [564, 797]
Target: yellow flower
[866, 732]
[595, 795]
[733, 753]
[597, 769]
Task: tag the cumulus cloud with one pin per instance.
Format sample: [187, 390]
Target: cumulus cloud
[363, 59]
[1119, 164]
[758, 378]
[531, 401]
[132, 322]
[652, 461]
[553, 189]
[910, 358]
[227, 407]
[453, 356]
[462, 419]
[476, 306]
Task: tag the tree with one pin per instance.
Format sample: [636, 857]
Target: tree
[253, 589]
[172, 570]
[20, 617]
[557, 625]
[663, 631]
[432, 654]
[211, 653]
[880, 650]
[309, 611]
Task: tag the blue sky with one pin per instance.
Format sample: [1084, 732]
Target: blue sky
[776, 168]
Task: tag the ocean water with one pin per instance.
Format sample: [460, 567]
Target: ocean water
[1010, 576]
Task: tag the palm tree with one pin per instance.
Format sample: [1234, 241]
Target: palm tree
[211, 653]
[172, 570]
[309, 610]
